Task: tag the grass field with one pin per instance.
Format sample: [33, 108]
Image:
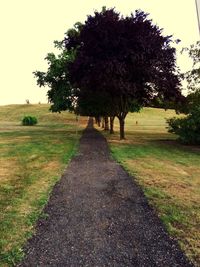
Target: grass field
[168, 172]
[32, 158]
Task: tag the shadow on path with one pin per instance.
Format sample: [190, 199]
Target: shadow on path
[98, 216]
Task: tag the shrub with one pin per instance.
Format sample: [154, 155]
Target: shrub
[29, 121]
[188, 128]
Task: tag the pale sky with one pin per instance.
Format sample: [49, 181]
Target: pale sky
[29, 27]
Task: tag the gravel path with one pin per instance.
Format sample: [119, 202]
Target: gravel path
[98, 216]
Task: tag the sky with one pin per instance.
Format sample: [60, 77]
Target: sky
[29, 27]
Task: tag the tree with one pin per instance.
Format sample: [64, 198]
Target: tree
[193, 76]
[188, 128]
[61, 94]
[191, 102]
[125, 61]
[95, 104]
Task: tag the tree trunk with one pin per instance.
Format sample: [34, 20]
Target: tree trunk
[99, 121]
[103, 123]
[106, 128]
[112, 124]
[121, 124]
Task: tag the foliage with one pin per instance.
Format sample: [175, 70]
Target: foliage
[111, 65]
[191, 101]
[179, 106]
[193, 76]
[29, 121]
[60, 94]
[188, 128]
[122, 61]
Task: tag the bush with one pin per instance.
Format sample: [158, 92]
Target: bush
[29, 121]
[188, 128]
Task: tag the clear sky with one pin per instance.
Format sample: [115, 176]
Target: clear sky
[29, 27]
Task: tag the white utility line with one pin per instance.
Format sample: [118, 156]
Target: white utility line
[198, 9]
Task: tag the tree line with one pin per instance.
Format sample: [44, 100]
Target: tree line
[111, 65]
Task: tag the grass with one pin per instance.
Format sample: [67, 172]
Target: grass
[31, 162]
[168, 172]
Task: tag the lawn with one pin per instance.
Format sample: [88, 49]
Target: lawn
[168, 172]
[32, 159]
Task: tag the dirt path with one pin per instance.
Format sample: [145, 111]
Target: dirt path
[99, 217]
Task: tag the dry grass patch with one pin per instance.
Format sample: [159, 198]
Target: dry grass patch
[178, 181]
[7, 169]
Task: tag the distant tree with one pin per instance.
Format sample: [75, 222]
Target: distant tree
[125, 61]
[96, 104]
[158, 102]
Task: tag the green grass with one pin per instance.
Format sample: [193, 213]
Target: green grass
[32, 160]
[168, 172]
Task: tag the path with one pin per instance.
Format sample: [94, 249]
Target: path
[99, 217]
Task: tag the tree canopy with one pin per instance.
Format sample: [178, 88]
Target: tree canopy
[61, 94]
[126, 60]
[112, 65]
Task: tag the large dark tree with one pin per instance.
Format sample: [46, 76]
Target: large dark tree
[125, 61]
